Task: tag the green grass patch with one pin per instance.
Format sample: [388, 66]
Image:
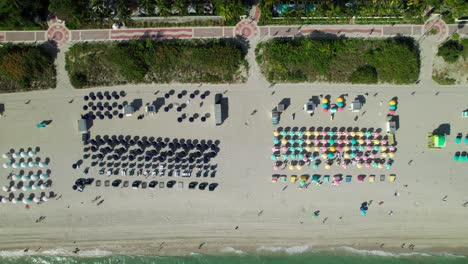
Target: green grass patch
[392, 60]
[26, 68]
[147, 61]
[442, 79]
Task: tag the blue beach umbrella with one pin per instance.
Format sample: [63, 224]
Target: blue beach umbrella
[285, 157]
[315, 166]
[353, 141]
[293, 156]
[292, 148]
[283, 133]
[273, 157]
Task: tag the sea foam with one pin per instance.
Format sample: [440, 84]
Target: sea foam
[232, 250]
[288, 250]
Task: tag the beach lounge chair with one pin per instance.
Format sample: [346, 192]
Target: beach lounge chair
[161, 185]
[456, 157]
[304, 178]
[458, 138]
[282, 178]
[371, 178]
[361, 177]
[466, 139]
[293, 178]
[106, 183]
[392, 178]
[326, 178]
[274, 178]
[464, 156]
[180, 185]
[315, 178]
[98, 183]
[348, 178]
[382, 177]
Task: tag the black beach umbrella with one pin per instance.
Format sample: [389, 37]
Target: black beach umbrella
[203, 119]
[192, 96]
[86, 98]
[85, 107]
[167, 95]
[101, 117]
[122, 93]
[90, 104]
[120, 107]
[190, 119]
[94, 108]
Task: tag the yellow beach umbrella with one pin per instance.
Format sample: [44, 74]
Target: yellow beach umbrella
[327, 166]
[291, 167]
[276, 133]
[307, 133]
[360, 141]
[324, 156]
[316, 133]
[376, 141]
[299, 167]
[360, 133]
[345, 148]
[339, 100]
[332, 149]
[391, 154]
[383, 148]
[284, 141]
[308, 149]
[359, 165]
[346, 156]
[316, 149]
[324, 101]
[383, 155]
[380, 165]
[353, 134]
[392, 102]
[308, 141]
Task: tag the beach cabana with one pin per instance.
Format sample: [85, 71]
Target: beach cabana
[326, 178]
[361, 177]
[348, 178]
[371, 178]
[392, 178]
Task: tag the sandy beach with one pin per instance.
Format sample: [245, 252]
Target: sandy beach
[177, 222]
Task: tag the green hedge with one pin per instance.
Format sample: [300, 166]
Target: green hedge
[392, 60]
[147, 61]
[450, 51]
[26, 68]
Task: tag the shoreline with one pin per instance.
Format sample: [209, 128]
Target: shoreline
[187, 248]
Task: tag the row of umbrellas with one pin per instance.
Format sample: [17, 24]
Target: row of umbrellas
[333, 108]
[33, 177]
[30, 164]
[392, 107]
[107, 95]
[22, 154]
[25, 187]
[344, 165]
[15, 200]
[358, 134]
[330, 142]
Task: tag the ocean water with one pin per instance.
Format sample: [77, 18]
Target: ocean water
[294, 255]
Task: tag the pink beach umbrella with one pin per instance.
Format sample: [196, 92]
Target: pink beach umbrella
[323, 141]
[384, 142]
[275, 168]
[323, 149]
[325, 110]
[365, 158]
[367, 165]
[368, 141]
[284, 149]
[368, 148]
[274, 149]
[357, 158]
[339, 141]
[340, 109]
[391, 112]
[339, 148]
[345, 166]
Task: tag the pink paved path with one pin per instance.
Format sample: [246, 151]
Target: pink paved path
[221, 32]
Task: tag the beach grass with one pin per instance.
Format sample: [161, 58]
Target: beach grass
[152, 61]
[25, 67]
[391, 60]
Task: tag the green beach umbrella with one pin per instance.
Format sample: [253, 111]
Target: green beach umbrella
[273, 157]
[353, 141]
[293, 156]
[285, 157]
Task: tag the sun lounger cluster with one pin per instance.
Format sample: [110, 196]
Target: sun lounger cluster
[25, 177]
[460, 156]
[305, 180]
[296, 147]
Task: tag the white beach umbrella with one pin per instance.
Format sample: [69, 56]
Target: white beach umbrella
[26, 201]
[36, 199]
[26, 188]
[34, 187]
[16, 155]
[23, 154]
[43, 164]
[31, 153]
[23, 164]
[44, 176]
[13, 189]
[4, 200]
[25, 178]
[5, 165]
[43, 186]
[31, 164]
[14, 200]
[16, 177]
[44, 198]
[5, 188]
[15, 165]
[5, 155]
[34, 177]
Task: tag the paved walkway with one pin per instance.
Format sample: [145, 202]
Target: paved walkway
[247, 27]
